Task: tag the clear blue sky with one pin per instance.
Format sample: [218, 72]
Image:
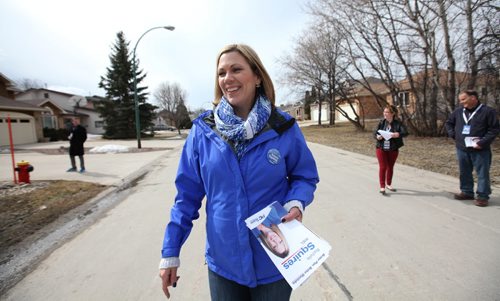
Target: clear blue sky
[66, 44]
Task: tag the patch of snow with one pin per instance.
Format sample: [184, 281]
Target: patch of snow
[93, 137]
[110, 148]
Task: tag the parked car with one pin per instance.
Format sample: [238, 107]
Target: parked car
[163, 127]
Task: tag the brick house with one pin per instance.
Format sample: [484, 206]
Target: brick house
[362, 100]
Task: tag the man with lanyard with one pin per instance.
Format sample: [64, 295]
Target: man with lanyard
[473, 126]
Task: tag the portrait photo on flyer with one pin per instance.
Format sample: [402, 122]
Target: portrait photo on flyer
[294, 249]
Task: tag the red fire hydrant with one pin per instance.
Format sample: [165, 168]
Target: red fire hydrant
[23, 170]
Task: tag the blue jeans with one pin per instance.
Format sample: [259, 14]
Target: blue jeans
[480, 160]
[222, 289]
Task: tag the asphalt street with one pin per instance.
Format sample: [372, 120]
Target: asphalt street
[417, 243]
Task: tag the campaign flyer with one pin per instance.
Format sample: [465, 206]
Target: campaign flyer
[294, 249]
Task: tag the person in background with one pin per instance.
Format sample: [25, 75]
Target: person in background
[473, 126]
[241, 156]
[387, 149]
[77, 137]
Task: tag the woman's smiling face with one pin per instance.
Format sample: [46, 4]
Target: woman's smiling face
[238, 82]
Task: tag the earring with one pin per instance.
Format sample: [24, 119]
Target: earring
[257, 85]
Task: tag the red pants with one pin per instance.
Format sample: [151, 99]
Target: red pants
[386, 161]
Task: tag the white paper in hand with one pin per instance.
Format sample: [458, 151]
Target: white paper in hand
[471, 141]
[386, 134]
[294, 249]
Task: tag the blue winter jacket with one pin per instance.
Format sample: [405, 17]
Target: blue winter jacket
[277, 166]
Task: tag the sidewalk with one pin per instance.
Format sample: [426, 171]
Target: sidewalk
[50, 160]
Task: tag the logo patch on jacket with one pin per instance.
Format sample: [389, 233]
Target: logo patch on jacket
[273, 156]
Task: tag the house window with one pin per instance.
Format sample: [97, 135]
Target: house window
[48, 119]
[403, 99]
[99, 124]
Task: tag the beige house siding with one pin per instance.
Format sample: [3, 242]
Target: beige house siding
[62, 108]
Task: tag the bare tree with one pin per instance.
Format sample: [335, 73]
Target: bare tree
[483, 34]
[301, 69]
[171, 101]
[318, 63]
[406, 44]
[416, 47]
[168, 97]
[27, 83]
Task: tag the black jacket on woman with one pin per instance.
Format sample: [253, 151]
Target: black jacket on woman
[396, 126]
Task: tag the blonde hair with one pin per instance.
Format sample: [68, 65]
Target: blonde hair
[266, 86]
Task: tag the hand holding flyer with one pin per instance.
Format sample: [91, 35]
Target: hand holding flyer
[386, 134]
[294, 249]
[471, 141]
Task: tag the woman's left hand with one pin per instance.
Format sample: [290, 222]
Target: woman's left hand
[395, 135]
[294, 213]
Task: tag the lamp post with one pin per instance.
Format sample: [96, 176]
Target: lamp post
[136, 104]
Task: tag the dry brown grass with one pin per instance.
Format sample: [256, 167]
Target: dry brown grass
[435, 154]
[27, 209]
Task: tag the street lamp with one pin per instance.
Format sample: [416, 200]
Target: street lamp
[136, 105]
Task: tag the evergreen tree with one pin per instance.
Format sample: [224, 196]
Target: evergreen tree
[182, 119]
[118, 111]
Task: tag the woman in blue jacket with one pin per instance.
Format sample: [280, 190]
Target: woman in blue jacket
[242, 156]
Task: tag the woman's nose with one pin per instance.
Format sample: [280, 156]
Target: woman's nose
[228, 77]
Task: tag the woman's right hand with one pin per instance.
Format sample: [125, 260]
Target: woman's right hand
[168, 278]
[379, 137]
[294, 213]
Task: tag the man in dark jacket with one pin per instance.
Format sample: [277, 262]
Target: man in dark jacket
[473, 126]
[77, 136]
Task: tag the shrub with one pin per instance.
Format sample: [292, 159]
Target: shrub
[55, 134]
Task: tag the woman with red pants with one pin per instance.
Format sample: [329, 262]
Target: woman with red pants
[389, 134]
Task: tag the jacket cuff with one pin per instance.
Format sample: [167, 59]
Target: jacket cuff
[169, 262]
[294, 203]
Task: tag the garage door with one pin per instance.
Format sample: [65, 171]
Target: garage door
[23, 128]
[324, 115]
[347, 108]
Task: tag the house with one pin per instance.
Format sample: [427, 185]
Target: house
[485, 86]
[368, 103]
[24, 119]
[295, 110]
[362, 100]
[95, 124]
[61, 107]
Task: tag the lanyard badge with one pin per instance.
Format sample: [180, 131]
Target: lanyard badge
[387, 145]
[466, 129]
